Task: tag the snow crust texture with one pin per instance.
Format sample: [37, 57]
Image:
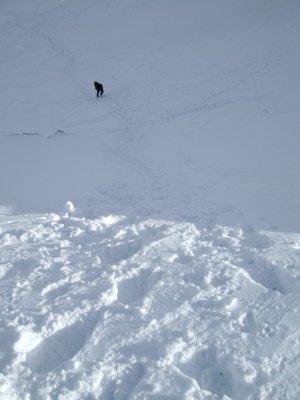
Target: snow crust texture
[110, 308]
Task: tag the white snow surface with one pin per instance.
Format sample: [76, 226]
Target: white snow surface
[150, 238]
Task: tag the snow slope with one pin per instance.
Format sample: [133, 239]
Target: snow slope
[176, 274]
[198, 120]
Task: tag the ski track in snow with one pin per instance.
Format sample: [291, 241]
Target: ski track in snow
[113, 308]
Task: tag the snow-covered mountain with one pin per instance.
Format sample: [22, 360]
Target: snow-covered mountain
[150, 238]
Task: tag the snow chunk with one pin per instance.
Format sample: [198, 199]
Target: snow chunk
[28, 340]
[112, 219]
[70, 208]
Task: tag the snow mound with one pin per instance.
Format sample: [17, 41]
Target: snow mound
[114, 308]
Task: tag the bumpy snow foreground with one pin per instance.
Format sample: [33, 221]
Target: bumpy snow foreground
[113, 308]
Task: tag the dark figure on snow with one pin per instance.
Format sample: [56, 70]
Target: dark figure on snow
[99, 88]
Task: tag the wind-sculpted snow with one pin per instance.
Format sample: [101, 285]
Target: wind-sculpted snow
[113, 308]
